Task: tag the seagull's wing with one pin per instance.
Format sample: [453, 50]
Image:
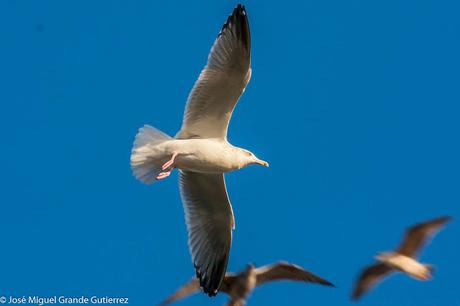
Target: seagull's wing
[287, 271]
[189, 288]
[417, 235]
[369, 277]
[222, 81]
[209, 219]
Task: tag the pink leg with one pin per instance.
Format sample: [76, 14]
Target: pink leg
[170, 162]
[163, 175]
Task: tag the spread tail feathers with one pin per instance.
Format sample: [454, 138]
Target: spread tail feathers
[146, 161]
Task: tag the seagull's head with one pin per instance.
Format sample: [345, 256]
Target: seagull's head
[248, 158]
[384, 256]
[249, 268]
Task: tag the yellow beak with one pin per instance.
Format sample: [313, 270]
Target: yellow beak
[262, 163]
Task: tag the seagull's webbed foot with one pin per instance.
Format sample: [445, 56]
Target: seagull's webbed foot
[170, 162]
[163, 175]
[167, 165]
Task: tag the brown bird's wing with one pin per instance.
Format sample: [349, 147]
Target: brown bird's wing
[193, 286]
[189, 288]
[222, 81]
[236, 302]
[287, 271]
[228, 282]
[369, 277]
[417, 235]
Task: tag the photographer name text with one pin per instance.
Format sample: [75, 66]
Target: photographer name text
[50, 300]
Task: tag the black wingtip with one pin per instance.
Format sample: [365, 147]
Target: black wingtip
[440, 221]
[241, 9]
[239, 21]
[355, 296]
[211, 280]
[326, 283]
[447, 218]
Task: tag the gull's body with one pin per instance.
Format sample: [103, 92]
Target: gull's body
[202, 153]
[406, 264]
[239, 286]
[404, 259]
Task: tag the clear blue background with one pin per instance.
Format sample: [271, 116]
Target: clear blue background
[354, 104]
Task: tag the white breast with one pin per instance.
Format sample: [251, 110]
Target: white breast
[204, 155]
[408, 265]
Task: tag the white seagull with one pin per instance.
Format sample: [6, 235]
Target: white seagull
[403, 259]
[202, 153]
[240, 285]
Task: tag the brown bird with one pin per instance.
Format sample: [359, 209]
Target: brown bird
[240, 285]
[403, 259]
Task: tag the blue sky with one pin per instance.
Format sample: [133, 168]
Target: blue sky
[355, 104]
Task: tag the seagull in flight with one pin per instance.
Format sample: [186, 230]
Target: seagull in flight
[240, 285]
[403, 259]
[201, 152]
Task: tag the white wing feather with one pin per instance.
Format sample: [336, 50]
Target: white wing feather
[209, 219]
[221, 83]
